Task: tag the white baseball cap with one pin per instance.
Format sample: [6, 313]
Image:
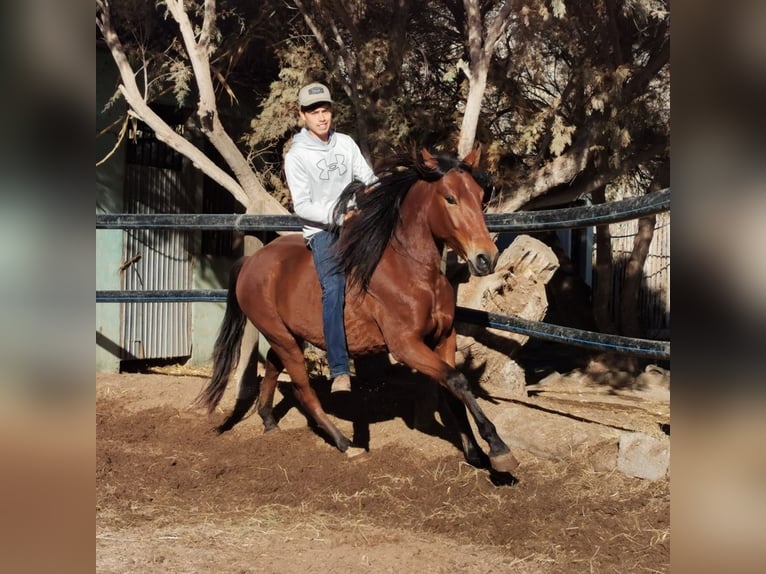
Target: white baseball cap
[312, 94]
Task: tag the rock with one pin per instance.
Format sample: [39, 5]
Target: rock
[643, 456]
[553, 437]
[529, 258]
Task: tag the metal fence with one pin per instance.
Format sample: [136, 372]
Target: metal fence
[569, 218]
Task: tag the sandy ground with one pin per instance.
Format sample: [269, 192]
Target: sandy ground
[173, 495]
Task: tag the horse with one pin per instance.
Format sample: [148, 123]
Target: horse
[397, 298]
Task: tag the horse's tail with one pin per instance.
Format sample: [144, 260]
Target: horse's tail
[227, 345]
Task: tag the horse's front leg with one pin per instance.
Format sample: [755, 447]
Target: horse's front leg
[414, 353]
[453, 410]
[500, 456]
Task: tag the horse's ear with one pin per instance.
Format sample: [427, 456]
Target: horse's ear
[428, 160]
[472, 158]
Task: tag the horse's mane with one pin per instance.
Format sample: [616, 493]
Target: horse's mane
[365, 235]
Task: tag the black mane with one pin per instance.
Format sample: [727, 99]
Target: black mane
[366, 234]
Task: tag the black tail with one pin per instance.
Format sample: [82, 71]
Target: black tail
[227, 345]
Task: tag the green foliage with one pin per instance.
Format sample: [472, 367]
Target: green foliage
[562, 135]
[565, 76]
[299, 64]
[180, 77]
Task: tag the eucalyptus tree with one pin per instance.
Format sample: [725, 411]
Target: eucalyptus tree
[579, 98]
[189, 53]
[577, 103]
[576, 96]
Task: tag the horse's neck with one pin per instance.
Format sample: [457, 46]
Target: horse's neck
[413, 238]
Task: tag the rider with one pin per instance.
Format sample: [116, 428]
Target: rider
[318, 166]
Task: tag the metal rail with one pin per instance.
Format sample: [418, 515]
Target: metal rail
[568, 218]
[555, 333]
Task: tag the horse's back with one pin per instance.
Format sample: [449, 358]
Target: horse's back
[278, 287]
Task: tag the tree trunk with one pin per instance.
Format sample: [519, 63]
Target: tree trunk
[481, 47]
[478, 84]
[602, 273]
[245, 186]
[629, 308]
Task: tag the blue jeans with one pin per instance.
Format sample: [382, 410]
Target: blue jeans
[333, 283]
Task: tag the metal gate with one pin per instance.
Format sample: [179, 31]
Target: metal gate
[156, 258]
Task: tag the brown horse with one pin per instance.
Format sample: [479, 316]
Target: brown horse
[397, 298]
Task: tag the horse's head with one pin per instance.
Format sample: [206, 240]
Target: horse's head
[457, 217]
[446, 199]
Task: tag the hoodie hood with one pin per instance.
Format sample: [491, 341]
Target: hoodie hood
[304, 140]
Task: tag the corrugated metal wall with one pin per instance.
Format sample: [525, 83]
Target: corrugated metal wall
[156, 258]
[654, 296]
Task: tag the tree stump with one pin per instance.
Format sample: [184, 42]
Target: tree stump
[517, 287]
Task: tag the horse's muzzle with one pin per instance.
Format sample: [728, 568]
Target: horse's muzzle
[483, 264]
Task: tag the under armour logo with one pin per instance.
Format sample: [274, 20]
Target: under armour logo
[339, 164]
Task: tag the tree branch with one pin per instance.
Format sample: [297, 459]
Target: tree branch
[473, 24]
[132, 94]
[567, 167]
[317, 31]
[120, 137]
[497, 27]
[199, 60]
[637, 84]
[245, 188]
[208, 26]
[480, 57]
[259, 199]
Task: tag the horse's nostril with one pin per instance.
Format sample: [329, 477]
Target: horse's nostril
[483, 264]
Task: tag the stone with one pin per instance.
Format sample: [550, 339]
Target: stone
[553, 437]
[643, 456]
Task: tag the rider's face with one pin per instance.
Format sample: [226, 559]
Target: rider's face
[318, 121]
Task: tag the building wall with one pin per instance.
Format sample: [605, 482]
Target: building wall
[109, 182]
[208, 271]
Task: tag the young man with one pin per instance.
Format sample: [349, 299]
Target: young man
[318, 166]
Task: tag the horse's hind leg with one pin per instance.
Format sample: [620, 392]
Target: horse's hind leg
[268, 386]
[295, 364]
[246, 394]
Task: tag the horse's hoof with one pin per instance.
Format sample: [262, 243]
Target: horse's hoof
[505, 462]
[343, 444]
[477, 460]
[354, 452]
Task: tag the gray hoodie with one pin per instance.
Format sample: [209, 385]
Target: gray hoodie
[318, 172]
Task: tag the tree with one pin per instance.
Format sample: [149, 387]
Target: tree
[199, 44]
[481, 49]
[579, 98]
[566, 99]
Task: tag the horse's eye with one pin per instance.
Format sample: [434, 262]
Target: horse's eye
[450, 199]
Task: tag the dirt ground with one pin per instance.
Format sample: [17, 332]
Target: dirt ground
[173, 495]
